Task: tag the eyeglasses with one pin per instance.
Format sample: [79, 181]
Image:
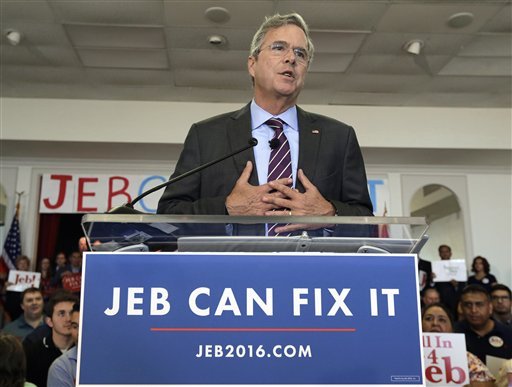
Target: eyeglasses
[280, 49]
[500, 298]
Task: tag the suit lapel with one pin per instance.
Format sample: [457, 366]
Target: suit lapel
[239, 132]
[309, 144]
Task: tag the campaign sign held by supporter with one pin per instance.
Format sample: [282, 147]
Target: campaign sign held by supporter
[72, 282]
[247, 319]
[20, 280]
[446, 362]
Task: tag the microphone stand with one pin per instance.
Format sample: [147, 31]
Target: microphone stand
[127, 208]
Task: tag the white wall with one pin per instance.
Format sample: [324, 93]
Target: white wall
[168, 122]
[491, 219]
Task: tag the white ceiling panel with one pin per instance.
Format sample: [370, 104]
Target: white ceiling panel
[393, 43]
[330, 63]
[138, 12]
[337, 42]
[369, 99]
[129, 77]
[324, 81]
[40, 74]
[134, 59]
[336, 15]
[209, 59]
[315, 97]
[463, 84]
[213, 95]
[381, 83]
[139, 93]
[59, 56]
[37, 10]
[396, 64]
[86, 35]
[499, 45]
[39, 33]
[24, 55]
[457, 99]
[501, 22]
[430, 17]
[212, 79]
[138, 49]
[197, 38]
[490, 67]
[192, 13]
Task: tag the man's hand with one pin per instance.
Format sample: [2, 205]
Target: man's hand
[246, 199]
[309, 203]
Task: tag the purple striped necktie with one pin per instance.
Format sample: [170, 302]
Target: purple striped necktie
[280, 163]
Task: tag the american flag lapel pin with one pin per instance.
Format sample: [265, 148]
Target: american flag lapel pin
[315, 131]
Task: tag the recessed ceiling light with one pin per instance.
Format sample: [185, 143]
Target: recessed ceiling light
[217, 40]
[217, 14]
[460, 20]
[414, 46]
[13, 37]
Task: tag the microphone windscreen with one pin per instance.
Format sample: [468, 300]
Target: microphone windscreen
[274, 143]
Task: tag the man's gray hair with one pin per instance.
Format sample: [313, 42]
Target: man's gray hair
[277, 21]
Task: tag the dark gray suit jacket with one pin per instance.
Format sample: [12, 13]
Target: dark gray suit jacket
[329, 154]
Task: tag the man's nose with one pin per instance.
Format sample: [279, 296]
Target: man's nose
[290, 55]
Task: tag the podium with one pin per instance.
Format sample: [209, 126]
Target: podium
[199, 300]
[336, 234]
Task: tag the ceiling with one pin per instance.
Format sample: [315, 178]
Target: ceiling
[159, 50]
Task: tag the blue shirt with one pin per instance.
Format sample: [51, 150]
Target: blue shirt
[62, 372]
[20, 328]
[263, 133]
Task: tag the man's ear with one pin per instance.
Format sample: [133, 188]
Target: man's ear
[48, 321]
[251, 61]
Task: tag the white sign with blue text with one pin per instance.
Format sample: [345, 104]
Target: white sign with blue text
[249, 319]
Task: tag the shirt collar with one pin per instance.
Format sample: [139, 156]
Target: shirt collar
[259, 116]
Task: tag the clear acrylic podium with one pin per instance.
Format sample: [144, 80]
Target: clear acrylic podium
[214, 233]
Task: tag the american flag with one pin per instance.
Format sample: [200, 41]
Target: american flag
[12, 245]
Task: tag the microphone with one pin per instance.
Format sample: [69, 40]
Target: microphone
[274, 143]
[127, 208]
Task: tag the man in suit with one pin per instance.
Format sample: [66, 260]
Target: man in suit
[327, 170]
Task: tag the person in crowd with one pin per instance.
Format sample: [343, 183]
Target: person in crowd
[61, 267]
[45, 268]
[82, 245]
[75, 262]
[321, 168]
[32, 316]
[437, 318]
[12, 298]
[62, 372]
[12, 362]
[504, 378]
[46, 344]
[482, 276]
[430, 296]
[484, 335]
[4, 317]
[425, 279]
[501, 298]
[449, 291]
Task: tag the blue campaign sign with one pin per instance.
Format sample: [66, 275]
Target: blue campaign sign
[171, 318]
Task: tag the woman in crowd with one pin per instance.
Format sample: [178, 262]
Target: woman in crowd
[12, 362]
[45, 268]
[482, 276]
[437, 318]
